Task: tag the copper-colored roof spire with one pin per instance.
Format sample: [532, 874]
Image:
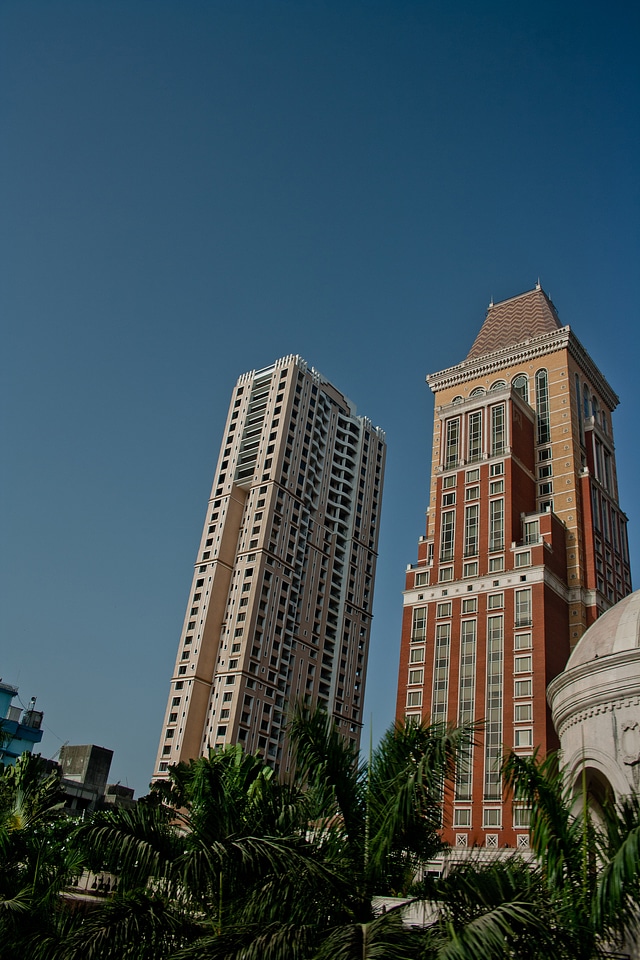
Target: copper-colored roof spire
[514, 321]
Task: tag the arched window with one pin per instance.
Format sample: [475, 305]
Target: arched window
[498, 385]
[542, 406]
[585, 400]
[477, 392]
[521, 386]
[458, 399]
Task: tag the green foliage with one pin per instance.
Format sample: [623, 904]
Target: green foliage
[36, 853]
[224, 861]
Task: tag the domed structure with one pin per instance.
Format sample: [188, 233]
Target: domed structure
[595, 703]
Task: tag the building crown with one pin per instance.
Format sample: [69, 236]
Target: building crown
[514, 321]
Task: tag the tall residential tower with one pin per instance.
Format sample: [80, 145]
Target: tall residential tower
[525, 546]
[279, 609]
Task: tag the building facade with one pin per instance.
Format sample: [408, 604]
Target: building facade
[279, 610]
[525, 546]
[20, 730]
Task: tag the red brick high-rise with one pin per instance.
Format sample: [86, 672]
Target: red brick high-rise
[525, 546]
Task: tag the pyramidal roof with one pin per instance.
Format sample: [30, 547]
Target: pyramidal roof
[514, 321]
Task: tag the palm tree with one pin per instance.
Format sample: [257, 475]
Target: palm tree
[37, 860]
[590, 866]
[227, 861]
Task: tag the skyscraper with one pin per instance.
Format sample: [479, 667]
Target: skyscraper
[525, 546]
[279, 609]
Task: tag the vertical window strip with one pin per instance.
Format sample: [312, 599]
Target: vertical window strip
[452, 451]
[523, 607]
[466, 705]
[493, 725]
[418, 631]
[441, 673]
[496, 524]
[471, 530]
[542, 406]
[578, 405]
[447, 534]
[475, 435]
[497, 430]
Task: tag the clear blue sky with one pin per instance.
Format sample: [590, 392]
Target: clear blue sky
[189, 190]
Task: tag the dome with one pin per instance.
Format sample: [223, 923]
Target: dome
[595, 702]
[616, 631]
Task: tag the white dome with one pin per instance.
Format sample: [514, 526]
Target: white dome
[595, 701]
[616, 631]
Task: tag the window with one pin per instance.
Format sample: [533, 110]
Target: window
[462, 818]
[448, 499]
[449, 481]
[521, 816]
[472, 493]
[475, 435]
[522, 712]
[523, 737]
[493, 712]
[492, 817]
[546, 470]
[446, 573]
[522, 641]
[496, 487]
[542, 406]
[443, 609]
[471, 530]
[416, 676]
[496, 469]
[531, 531]
[447, 534]
[521, 386]
[496, 524]
[441, 672]
[471, 569]
[414, 698]
[473, 475]
[470, 605]
[523, 559]
[544, 489]
[418, 631]
[417, 655]
[522, 665]
[497, 430]
[466, 707]
[522, 688]
[523, 607]
[496, 564]
[421, 579]
[495, 601]
[452, 449]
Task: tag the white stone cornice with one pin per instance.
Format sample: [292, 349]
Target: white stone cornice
[506, 357]
[598, 686]
[562, 339]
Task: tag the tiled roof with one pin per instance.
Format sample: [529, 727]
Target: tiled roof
[514, 321]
